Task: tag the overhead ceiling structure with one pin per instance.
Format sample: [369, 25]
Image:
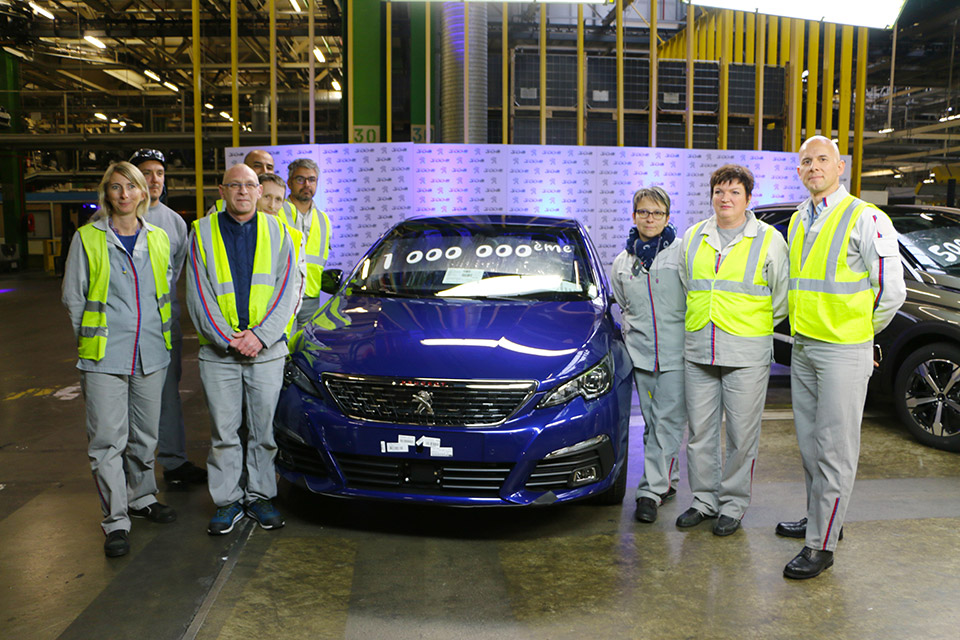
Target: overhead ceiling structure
[130, 61]
[90, 68]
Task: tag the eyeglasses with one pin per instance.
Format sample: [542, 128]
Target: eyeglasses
[302, 179]
[643, 213]
[235, 186]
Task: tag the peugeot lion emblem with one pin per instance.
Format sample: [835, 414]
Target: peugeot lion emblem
[424, 402]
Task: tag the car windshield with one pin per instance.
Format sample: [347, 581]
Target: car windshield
[932, 238]
[469, 260]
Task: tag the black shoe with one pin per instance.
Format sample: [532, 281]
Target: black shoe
[809, 563]
[670, 494]
[646, 510]
[116, 544]
[691, 518]
[185, 473]
[797, 529]
[155, 512]
[725, 526]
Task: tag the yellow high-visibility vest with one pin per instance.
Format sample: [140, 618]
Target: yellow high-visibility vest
[270, 234]
[92, 341]
[734, 295]
[317, 249]
[827, 299]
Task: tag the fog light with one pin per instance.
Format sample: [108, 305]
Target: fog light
[584, 475]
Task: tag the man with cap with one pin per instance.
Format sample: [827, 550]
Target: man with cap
[301, 213]
[257, 159]
[171, 443]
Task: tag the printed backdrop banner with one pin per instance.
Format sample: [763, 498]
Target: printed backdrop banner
[366, 188]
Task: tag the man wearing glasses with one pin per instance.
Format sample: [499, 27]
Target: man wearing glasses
[241, 294]
[301, 213]
[260, 161]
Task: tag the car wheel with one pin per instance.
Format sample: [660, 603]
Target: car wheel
[614, 493]
[927, 395]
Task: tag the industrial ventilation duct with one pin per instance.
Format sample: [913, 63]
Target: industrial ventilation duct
[454, 112]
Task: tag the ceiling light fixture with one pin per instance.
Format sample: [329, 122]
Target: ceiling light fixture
[208, 105]
[296, 7]
[319, 54]
[151, 75]
[95, 42]
[336, 85]
[19, 54]
[226, 116]
[38, 9]
[885, 131]
[100, 116]
[171, 86]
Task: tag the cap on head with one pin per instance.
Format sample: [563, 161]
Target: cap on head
[145, 155]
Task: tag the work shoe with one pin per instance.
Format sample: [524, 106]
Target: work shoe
[691, 518]
[265, 514]
[809, 563]
[670, 494]
[186, 473]
[797, 529]
[223, 520]
[725, 526]
[155, 512]
[117, 544]
[646, 510]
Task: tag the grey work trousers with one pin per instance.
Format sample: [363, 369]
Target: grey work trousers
[172, 439]
[123, 413]
[664, 417]
[723, 486]
[230, 388]
[828, 385]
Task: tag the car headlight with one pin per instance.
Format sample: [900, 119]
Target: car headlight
[293, 374]
[591, 384]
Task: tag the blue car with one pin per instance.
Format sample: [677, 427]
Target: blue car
[467, 360]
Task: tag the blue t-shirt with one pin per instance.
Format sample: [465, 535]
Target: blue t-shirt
[240, 241]
[128, 242]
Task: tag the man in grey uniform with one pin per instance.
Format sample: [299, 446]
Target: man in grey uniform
[241, 292]
[171, 443]
[846, 284]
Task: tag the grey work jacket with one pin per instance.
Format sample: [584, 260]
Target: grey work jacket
[135, 342]
[711, 345]
[653, 305]
[160, 215]
[209, 319]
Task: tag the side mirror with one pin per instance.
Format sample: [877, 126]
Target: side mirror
[330, 280]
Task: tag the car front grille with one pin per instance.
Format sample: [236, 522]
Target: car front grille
[405, 475]
[298, 456]
[551, 474]
[422, 401]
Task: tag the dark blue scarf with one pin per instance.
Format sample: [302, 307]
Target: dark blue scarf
[647, 251]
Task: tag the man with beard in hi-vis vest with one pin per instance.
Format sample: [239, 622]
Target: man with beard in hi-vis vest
[241, 293]
[846, 284]
[302, 214]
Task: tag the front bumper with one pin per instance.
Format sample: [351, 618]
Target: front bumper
[325, 452]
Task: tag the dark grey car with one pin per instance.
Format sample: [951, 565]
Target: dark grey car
[919, 352]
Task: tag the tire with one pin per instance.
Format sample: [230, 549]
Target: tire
[927, 395]
[615, 493]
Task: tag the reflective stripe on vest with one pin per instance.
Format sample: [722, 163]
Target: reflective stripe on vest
[828, 300]
[735, 296]
[317, 249]
[270, 234]
[92, 341]
[296, 238]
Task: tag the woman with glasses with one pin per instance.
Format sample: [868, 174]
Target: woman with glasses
[646, 284]
[116, 290]
[734, 271]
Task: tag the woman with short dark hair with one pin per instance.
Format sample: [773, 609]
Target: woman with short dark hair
[735, 273]
[116, 290]
[646, 284]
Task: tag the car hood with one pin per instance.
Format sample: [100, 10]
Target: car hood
[471, 339]
[942, 280]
